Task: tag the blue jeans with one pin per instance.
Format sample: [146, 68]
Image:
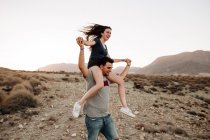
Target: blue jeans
[104, 125]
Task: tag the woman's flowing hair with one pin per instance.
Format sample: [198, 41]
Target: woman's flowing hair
[94, 30]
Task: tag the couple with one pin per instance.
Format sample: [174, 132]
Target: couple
[98, 76]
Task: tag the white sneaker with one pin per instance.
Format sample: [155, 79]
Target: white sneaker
[76, 110]
[127, 111]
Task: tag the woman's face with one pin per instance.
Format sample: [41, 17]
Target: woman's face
[106, 34]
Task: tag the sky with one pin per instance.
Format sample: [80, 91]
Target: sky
[36, 33]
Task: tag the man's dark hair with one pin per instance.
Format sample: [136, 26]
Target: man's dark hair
[104, 60]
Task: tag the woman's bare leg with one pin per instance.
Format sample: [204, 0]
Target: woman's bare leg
[121, 87]
[98, 77]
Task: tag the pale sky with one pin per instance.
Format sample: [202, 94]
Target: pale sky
[35, 33]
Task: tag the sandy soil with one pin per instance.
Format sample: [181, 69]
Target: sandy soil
[159, 116]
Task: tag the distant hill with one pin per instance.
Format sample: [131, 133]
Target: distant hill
[190, 63]
[60, 67]
[67, 67]
[184, 63]
[119, 69]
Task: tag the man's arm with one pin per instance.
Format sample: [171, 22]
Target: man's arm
[126, 69]
[81, 62]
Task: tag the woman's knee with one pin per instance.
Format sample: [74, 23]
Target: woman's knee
[120, 81]
[99, 85]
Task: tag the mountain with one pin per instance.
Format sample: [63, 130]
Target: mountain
[184, 63]
[119, 69]
[60, 67]
[190, 63]
[74, 68]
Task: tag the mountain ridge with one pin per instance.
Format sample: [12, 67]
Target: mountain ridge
[191, 63]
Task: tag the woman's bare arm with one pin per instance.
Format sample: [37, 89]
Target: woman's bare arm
[126, 69]
[89, 43]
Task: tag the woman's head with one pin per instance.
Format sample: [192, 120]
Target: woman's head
[97, 30]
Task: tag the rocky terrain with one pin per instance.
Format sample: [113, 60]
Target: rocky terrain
[38, 106]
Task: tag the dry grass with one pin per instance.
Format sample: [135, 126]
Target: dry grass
[159, 116]
[170, 129]
[18, 100]
[171, 84]
[16, 85]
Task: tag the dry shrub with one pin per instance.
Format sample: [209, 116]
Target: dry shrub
[173, 130]
[196, 114]
[62, 72]
[36, 86]
[11, 81]
[171, 84]
[1, 80]
[25, 77]
[170, 129]
[34, 82]
[18, 100]
[41, 78]
[2, 97]
[180, 131]
[160, 83]
[27, 86]
[146, 128]
[139, 85]
[76, 79]
[65, 79]
[174, 88]
[18, 87]
[23, 86]
[26, 114]
[204, 136]
[203, 99]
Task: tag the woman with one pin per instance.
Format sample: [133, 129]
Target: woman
[99, 35]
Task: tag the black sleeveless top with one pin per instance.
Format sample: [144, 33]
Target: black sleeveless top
[98, 51]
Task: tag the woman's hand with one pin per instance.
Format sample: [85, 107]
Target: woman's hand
[128, 61]
[80, 42]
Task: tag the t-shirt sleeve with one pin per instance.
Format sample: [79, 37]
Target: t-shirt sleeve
[89, 75]
[96, 40]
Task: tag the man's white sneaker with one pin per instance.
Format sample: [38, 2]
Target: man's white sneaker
[127, 111]
[76, 110]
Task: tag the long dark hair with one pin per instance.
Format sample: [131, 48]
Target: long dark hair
[94, 30]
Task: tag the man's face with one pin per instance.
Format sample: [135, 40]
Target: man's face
[106, 69]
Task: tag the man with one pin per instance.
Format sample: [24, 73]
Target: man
[97, 119]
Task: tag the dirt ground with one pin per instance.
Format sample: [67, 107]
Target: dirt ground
[159, 115]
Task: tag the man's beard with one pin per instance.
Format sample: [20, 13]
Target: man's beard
[106, 74]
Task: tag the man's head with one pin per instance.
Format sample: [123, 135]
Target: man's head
[106, 64]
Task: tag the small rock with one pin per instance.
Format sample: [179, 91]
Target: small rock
[56, 126]
[42, 119]
[41, 126]
[74, 135]
[20, 126]
[136, 112]
[142, 136]
[7, 88]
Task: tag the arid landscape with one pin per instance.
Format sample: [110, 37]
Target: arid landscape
[38, 106]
